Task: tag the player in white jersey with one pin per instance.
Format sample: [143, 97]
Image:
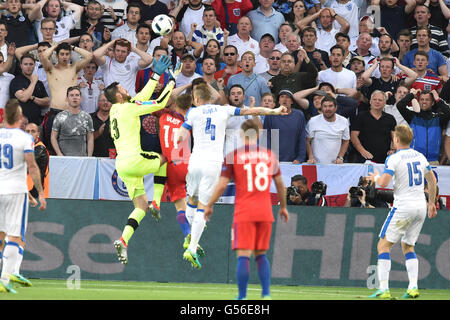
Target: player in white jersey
[407, 168]
[16, 154]
[208, 123]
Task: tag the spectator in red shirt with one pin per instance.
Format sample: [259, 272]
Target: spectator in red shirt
[230, 56]
[229, 17]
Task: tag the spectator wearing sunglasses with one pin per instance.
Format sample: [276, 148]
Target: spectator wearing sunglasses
[274, 65]
[230, 57]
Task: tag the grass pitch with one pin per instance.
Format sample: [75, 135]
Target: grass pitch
[124, 290]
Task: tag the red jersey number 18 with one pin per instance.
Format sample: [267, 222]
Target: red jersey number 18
[261, 179]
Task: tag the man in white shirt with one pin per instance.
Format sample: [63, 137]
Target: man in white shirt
[128, 30]
[90, 87]
[337, 75]
[186, 15]
[242, 40]
[349, 10]
[122, 67]
[55, 11]
[327, 135]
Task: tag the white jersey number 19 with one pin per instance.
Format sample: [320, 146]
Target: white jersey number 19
[6, 156]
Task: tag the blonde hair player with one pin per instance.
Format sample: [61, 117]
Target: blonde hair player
[407, 168]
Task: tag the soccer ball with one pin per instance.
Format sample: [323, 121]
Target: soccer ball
[162, 24]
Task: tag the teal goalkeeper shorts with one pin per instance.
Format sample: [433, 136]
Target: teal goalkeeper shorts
[132, 171]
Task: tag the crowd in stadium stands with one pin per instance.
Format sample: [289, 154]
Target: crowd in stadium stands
[349, 70]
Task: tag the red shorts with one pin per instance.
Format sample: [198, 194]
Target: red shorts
[251, 235]
[176, 180]
[1, 115]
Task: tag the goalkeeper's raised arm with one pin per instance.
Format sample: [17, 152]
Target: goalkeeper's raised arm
[116, 94]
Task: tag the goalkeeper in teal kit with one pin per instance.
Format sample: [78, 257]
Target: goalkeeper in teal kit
[132, 163]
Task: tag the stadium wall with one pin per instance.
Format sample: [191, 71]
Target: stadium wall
[319, 246]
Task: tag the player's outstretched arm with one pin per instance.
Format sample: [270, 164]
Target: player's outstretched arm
[158, 69]
[218, 191]
[262, 111]
[383, 180]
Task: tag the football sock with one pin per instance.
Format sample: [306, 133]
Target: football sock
[264, 273]
[196, 230]
[11, 253]
[159, 180]
[190, 212]
[132, 224]
[184, 224]
[383, 268]
[19, 261]
[412, 267]
[242, 276]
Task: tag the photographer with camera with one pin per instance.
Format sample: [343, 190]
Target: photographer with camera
[365, 195]
[298, 193]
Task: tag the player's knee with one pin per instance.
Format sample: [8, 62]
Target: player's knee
[384, 246]
[406, 248]
[17, 240]
[257, 253]
[193, 200]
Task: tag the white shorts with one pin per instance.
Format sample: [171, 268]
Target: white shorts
[14, 214]
[201, 180]
[404, 224]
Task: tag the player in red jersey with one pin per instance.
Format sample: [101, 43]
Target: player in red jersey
[177, 157]
[252, 170]
[177, 162]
